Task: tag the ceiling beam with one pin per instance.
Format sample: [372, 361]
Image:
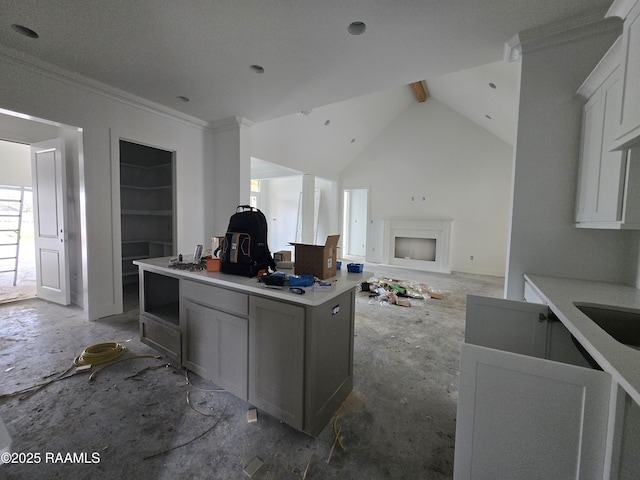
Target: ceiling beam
[420, 91]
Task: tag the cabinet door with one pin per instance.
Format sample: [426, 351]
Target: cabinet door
[528, 418]
[276, 359]
[611, 165]
[602, 172]
[629, 120]
[215, 346]
[517, 327]
[160, 335]
[591, 148]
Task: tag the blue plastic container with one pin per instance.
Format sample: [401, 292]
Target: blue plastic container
[355, 267]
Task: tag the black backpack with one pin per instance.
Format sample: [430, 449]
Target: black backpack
[244, 248]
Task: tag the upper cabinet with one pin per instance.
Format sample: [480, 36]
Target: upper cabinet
[607, 179]
[628, 123]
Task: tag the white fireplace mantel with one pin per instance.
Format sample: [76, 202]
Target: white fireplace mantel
[438, 229]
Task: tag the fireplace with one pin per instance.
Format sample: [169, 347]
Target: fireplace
[421, 244]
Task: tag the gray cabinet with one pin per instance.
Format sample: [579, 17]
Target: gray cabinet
[290, 357]
[301, 359]
[276, 371]
[160, 313]
[215, 346]
[215, 331]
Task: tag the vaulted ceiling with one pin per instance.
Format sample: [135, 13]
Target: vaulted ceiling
[269, 59]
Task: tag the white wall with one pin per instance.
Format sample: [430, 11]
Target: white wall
[279, 199]
[461, 170]
[15, 164]
[47, 93]
[328, 210]
[544, 239]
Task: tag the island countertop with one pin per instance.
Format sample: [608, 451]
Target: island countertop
[562, 295]
[341, 283]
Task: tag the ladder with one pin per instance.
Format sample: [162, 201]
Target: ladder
[11, 226]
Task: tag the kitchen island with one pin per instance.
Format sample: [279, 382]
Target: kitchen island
[290, 355]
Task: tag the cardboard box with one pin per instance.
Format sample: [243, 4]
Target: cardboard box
[317, 260]
[282, 256]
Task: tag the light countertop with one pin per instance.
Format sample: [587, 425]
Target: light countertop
[621, 361]
[341, 283]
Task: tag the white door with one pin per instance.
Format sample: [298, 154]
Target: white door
[49, 208]
[525, 418]
[355, 222]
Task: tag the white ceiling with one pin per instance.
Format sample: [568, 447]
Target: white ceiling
[203, 49]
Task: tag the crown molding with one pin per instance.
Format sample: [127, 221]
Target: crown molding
[231, 123]
[621, 8]
[73, 79]
[567, 30]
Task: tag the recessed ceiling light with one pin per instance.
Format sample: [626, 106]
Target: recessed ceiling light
[182, 98]
[26, 31]
[257, 69]
[492, 85]
[356, 28]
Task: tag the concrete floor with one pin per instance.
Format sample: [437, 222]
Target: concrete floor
[140, 419]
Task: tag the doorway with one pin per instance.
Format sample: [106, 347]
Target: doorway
[354, 227]
[147, 210]
[17, 250]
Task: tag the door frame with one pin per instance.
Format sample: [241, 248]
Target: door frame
[116, 227]
[29, 130]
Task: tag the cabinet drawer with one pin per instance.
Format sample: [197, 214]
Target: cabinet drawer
[216, 297]
[160, 336]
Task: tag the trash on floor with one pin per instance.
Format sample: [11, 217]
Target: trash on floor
[252, 415]
[253, 466]
[389, 291]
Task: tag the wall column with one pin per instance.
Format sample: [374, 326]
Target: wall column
[307, 208]
[555, 60]
[230, 182]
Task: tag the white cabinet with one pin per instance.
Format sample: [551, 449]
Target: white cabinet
[628, 122]
[522, 417]
[507, 325]
[608, 182]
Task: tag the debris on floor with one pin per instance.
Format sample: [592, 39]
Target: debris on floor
[389, 291]
[306, 470]
[253, 466]
[252, 415]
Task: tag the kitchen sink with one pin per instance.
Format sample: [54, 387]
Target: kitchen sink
[622, 324]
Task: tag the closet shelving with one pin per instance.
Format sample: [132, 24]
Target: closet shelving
[146, 211]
